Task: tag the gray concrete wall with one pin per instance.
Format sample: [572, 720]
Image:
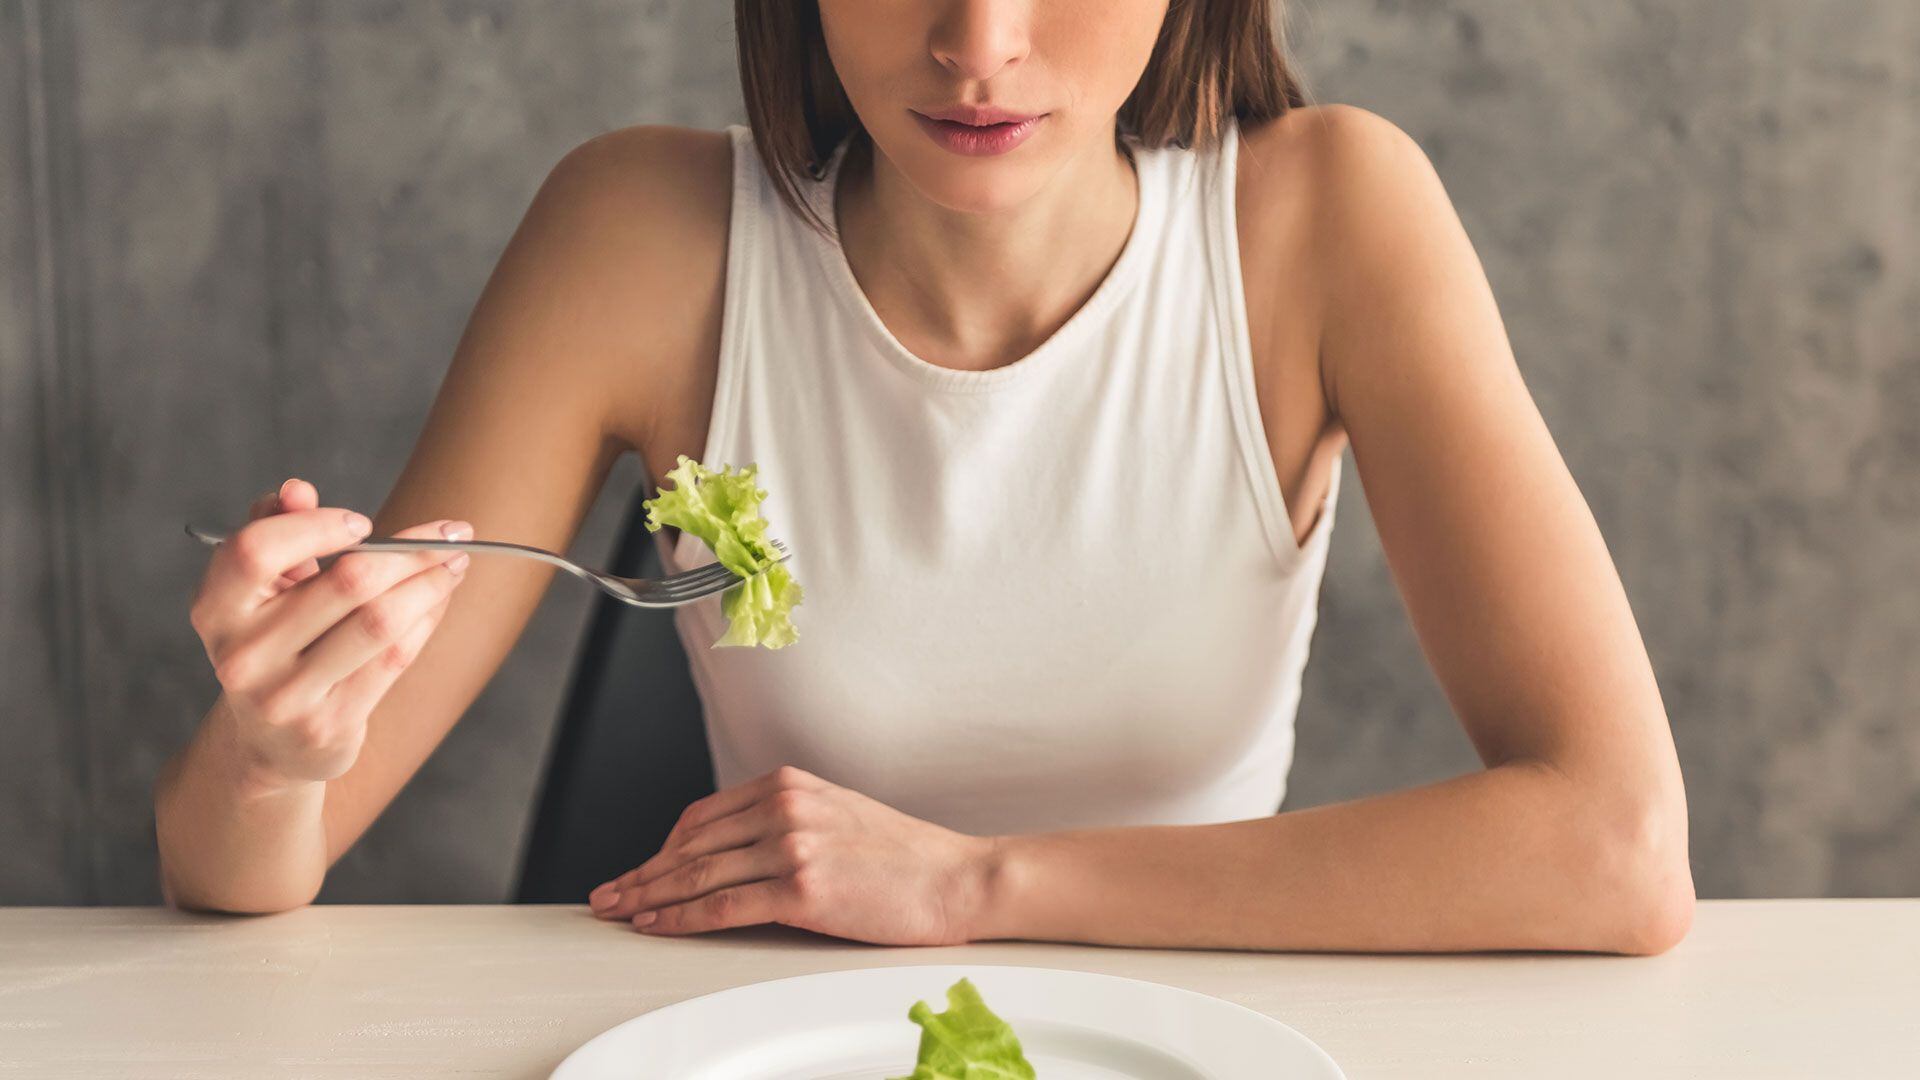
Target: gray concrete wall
[238, 240]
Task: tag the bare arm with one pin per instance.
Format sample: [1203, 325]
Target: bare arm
[1574, 835]
[603, 293]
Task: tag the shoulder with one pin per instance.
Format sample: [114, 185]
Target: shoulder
[634, 196]
[1337, 209]
[625, 243]
[682, 165]
[1327, 138]
[1353, 209]
[1339, 180]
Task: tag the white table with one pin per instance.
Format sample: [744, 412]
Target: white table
[1760, 989]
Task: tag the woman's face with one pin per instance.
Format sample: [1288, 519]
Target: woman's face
[980, 102]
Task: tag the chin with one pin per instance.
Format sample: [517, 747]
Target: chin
[980, 194]
[973, 185]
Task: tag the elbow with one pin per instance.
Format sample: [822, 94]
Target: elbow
[1639, 893]
[204, 883]
[1663, 924]
[1652, 917]
[235, 897]
[198, 876]
[246, 905]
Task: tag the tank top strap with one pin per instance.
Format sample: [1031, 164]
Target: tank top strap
[1219, 178]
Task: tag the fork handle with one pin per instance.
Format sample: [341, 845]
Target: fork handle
[401, 544]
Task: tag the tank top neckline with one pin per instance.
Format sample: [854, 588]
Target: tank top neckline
[1050, 353]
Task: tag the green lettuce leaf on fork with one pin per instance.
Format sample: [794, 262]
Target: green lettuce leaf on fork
[967, 1042]
[722, 508]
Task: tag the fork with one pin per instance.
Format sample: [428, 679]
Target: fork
[664, 592]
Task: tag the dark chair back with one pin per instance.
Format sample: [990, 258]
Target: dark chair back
[629, 751]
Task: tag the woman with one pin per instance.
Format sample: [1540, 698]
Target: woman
[1052, 421]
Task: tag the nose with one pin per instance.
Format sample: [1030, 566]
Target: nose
[976, 39]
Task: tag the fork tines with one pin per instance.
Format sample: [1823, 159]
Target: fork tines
[701, 578]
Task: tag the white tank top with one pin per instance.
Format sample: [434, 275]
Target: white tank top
[1060, 593]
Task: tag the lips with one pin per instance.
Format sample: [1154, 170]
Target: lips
[977, 115]
[977, 131]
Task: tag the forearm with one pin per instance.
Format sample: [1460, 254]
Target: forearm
[226, 842]
[1514, 857]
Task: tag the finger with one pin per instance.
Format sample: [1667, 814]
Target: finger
[249, 562]
[768, 817]
[379, 626]
[747, 827]
[698, 877]
[297, 494]
[359, 692]
[743, 905]
[607, 892]
[702, 812]
[292, 495]
[300, 495]
[300, 573]
[722, 804]
[737, 798]
[264, 506]
[296, 620]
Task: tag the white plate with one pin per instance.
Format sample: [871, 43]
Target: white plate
[852, 1025]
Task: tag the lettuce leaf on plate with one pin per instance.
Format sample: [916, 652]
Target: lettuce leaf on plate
[967, 1042]
[722, 508]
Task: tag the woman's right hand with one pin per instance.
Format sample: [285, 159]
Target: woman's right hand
[305, 654]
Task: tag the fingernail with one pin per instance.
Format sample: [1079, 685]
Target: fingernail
[357, 524]
[292, 480]
[457, 530]
[601, 901]
[458, 564]
[644, 919]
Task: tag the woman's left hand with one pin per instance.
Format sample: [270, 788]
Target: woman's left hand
[792, 848]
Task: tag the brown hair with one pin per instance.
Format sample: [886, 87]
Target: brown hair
[1214, 59]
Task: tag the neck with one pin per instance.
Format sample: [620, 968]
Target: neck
[980, 290]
